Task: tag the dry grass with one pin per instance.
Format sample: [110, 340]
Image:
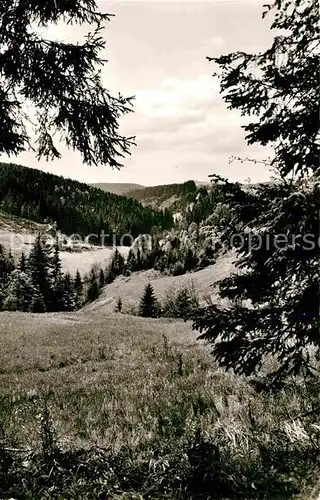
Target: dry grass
[92, 365]
[130, 289]
[145, 386]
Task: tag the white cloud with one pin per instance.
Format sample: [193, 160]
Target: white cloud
[184, 130]
[188, 115]
[176, 97]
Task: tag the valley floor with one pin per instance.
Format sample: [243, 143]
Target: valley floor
[82, 261]
[18, 235]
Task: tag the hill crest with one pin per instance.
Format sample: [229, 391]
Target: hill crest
[119, 188]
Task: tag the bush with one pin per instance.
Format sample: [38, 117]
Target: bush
[180, 303]
[177, 269]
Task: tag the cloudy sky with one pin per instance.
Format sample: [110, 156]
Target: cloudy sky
[157, 51]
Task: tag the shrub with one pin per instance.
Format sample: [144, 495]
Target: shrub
[180, 303]
[177, 269]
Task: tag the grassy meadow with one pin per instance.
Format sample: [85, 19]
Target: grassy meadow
[114, 406]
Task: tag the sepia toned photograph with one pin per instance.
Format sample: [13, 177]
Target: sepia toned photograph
[159, 250]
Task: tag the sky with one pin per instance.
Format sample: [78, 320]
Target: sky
[156, 51]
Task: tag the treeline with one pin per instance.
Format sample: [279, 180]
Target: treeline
[75, 207]
[36, 283]
[164, 191]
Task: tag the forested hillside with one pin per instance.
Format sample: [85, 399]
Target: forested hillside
[120, 188]
[74, 206]
[171, 196]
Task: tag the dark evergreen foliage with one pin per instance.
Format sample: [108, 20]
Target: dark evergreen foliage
[78, 287]
[40, 270]
[274, 308]
[109, 275]
[101, 278]
[281, 87]
[62, 82]
[204, 205]
[181, 303]
[69, 296]
[148, 307]
[117, 263]
[56, 263]
[280, 279]
[131, 261]
[75, 207]
[119, 305]
[38, 284]
[37, 304]
[23, 263]
[163, 192]
[93, 288]
[19, 292]
[5, 269]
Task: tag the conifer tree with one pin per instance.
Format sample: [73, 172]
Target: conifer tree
[101, 278]
[22, 266]
[148, 307]
[68, 301]
[37, 303]
[19, 292]
[118, 305]
[78, 287]
[4, 265]
[109, 275]
[61, 80]
[117, 263]
[57, 280]
[93, 291]
[274, 300]
[185, 304]
[280, 86]
[4, 273]
[39, 269]
[56, 263]
[131, 261]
